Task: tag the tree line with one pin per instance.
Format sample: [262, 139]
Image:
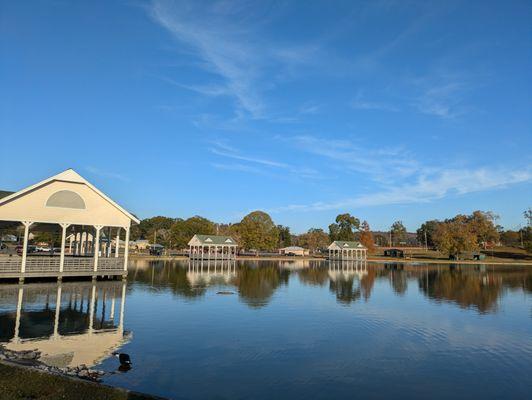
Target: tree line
[257, 231]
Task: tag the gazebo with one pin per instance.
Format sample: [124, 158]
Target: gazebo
[212, 247]
[344, 250]
[67, 205]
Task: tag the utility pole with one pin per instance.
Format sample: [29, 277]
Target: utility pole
[391, 244]
[425, 232]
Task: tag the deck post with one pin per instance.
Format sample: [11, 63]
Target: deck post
[126, 248]
[63, 243]
[117, 244]
[96, 246]
[91, 307]
[27, 225]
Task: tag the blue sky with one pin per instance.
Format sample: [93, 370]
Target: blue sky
[389, 110]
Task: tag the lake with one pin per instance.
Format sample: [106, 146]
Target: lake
[289, 329]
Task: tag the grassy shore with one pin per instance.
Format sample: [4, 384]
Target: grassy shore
[19, 382]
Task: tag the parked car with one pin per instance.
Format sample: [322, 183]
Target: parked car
[30, 249]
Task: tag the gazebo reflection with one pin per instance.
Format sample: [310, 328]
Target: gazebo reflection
[82, 324]
[346, 270]
[206, 272]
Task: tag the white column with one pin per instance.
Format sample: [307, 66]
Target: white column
[126, 251]
[19, 309]
[63, 241]
[122, 308]
[27, 225]
[117, 244]
[96, 246]
[91, 308]
[57, 310]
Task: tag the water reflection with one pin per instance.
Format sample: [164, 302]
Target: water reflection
[478, 287]
[70, 323]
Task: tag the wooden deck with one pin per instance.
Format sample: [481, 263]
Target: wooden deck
[48, 267]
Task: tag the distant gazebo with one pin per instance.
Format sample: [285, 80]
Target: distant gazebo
[343, 250]
[212, 247]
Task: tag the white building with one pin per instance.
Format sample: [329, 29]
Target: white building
[342, 250]
[70, 206]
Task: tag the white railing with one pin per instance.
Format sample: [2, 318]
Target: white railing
[10, 264]
[42, 264]
[110, 264]
[78, 264]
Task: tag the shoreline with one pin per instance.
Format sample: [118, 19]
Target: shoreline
[19, 381]
[370, 259]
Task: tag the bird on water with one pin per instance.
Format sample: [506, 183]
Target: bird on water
[124, 359]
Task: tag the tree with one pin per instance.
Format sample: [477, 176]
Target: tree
[314, 239]
[482, 225]
[366, 237]
[398, 232]
[427, 230]
[454, 236]
[183, 230]
[344, 228]
[528, 216]
[285, 238]
[257, 231]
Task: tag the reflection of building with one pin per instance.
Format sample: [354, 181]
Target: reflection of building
[66, 205]
[212, 247]
[294, 251]
[83, 326]
[294, 264]
[205, 272]
[345, 270]
[341, 250]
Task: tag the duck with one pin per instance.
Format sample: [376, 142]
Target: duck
[124, 359]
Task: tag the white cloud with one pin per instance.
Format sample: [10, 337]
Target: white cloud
[427, 188]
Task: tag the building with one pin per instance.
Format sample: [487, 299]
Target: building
[342, 250]
[294, 251]
[212, 247]
[66, 205]
[395, 253]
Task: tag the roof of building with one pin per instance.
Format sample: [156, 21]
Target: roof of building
[5, 193]
[214, 239]
[292, 248]
[347, 245]
[71, 177]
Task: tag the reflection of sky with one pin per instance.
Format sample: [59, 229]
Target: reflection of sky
[304, 343]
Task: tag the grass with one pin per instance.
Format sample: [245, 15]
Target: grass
[18, 382]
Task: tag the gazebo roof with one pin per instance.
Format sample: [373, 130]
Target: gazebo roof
[65, 197]
[212, 240]
[340, 244]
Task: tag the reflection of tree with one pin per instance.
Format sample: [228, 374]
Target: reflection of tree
[160, 274]
[313, 276]
[257, 284]
[345, 290]
[468, 290]
[399, 282]
[366, 284]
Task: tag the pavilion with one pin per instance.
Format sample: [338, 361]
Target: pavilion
[70, 207]
[212, 247]
[343, 250]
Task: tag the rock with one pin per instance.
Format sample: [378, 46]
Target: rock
[83, 373]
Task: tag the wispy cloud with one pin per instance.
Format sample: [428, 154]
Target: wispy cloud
[383, 164]
[222, 149]
[106, 174]
[226, 39]
[361, 103]
[426, 188]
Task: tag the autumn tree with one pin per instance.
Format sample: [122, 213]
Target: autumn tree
[398, 232]
[483, 226]
[366, 237]
[314, 239]
[257, 231]
[454, 236]
[345, 227]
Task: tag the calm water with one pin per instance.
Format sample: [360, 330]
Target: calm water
[289, 330]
